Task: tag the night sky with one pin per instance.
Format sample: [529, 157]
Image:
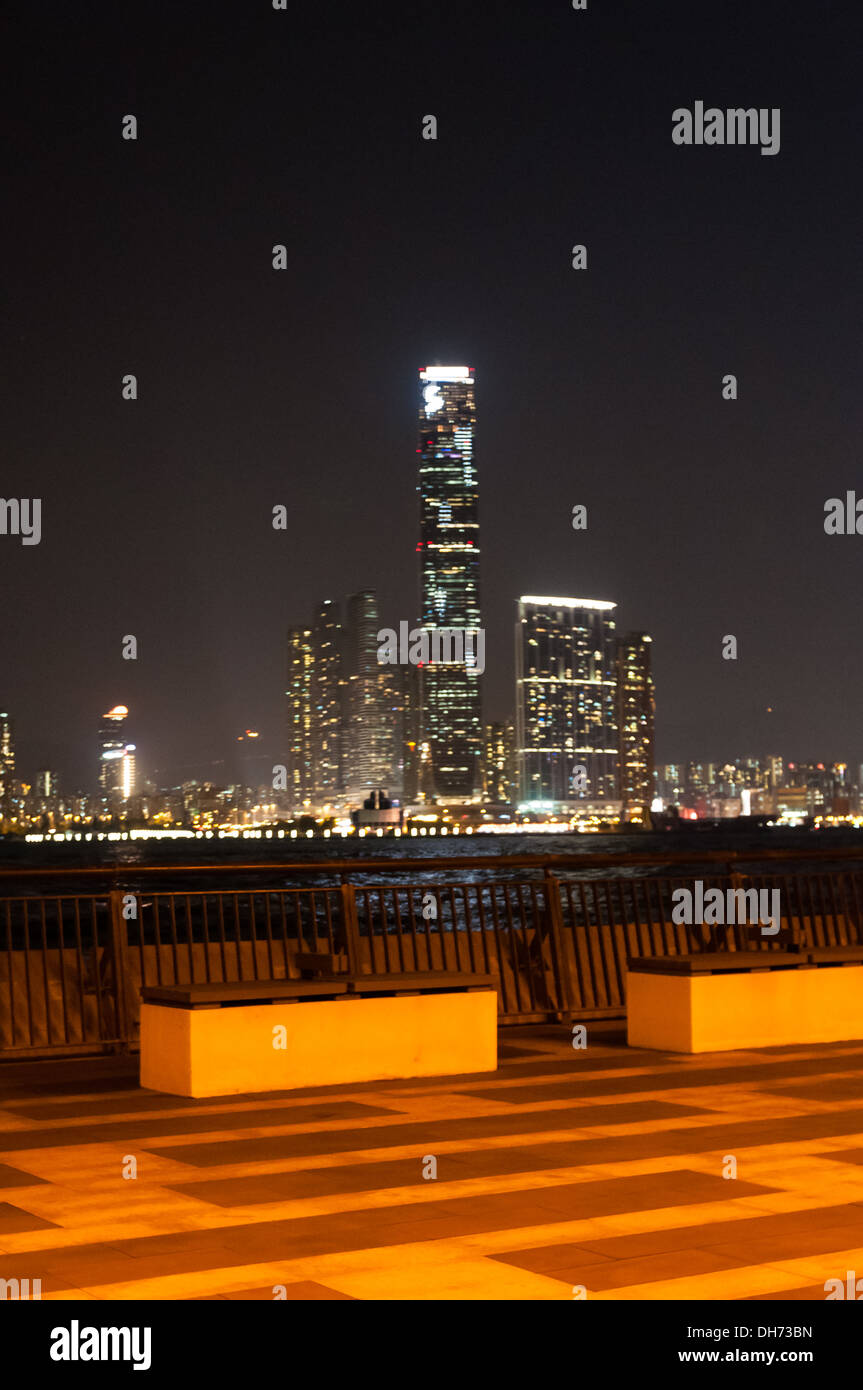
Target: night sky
[258, 387]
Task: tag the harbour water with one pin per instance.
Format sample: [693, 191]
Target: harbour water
[124, 857]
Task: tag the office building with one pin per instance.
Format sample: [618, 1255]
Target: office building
[499, 777]
[635, 722]
[327, 705]
[298, 693]
[566, 701]
[7, 760]
[116, 757]
[448, 553]
[368, 699]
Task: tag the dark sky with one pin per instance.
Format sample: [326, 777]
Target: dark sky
[299, 387]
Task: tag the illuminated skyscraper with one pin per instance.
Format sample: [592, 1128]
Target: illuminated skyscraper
[449, 574]
[7, 764]
[326, 704]
[116, 757]
[47, 782]
[368, 736]
[299, 696]
[635, 716]
[499, 780]
[565, 700]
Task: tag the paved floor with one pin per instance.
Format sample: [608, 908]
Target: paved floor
[604, 1169]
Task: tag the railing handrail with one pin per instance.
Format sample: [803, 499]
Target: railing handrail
[558, 944]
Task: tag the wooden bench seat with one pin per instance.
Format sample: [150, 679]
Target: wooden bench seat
[724, 1000]
[213, 996]
[267, 1035]
[416, 981]
[217, 995]
[718, 962]
[736, 962]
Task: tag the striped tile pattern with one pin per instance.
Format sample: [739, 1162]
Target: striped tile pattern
[602, 1170]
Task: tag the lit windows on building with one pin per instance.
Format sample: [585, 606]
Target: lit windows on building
[299, 718]
[116, 757]
[566, 716]
[449, 573]
[635, 720]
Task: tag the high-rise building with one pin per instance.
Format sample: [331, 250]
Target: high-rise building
[368, 732]
[116, 757]
[327, 705]
[449, 574]
[565, 700]
[498, 764]
[635, 720]
[671, 783]
[7, 760]
[353, 725]
[47, 782]
[399, 695]
[407, 716]
[299, 697]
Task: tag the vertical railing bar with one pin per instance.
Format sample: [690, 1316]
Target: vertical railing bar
[100, 1013]
[80, 972]
[61, 949]
[223, 940]
[484, 930]
[503, 958]
[11, 967]
[853, 877]
[522, 915]
[595, 885]
[205, 933]
[141, 943]
[837, 930]
[370, 928]
[313, 908]
[615, 973]
[328, 892]
[298, 918]
[468, 925]
[399, 937]
[46, 984]
[284, 920]
[238, 935]
[641, 932]
[816, 933]
[385, 924]
[269, 923]
[412, 918]
[513, 948]
[588, 951]
[438, 919]
[190, 935]
[578, 995]
[253, 936]
[456, 941]
[27, 969]
[539, 938]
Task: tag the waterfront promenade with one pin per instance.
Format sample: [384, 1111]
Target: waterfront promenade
[600, 1168]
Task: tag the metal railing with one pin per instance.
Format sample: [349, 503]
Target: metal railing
[556, 938]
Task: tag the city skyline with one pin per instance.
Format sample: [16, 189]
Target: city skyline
[601, 387]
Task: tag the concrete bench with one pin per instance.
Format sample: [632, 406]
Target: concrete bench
[724, 1000]
[229, 1039]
